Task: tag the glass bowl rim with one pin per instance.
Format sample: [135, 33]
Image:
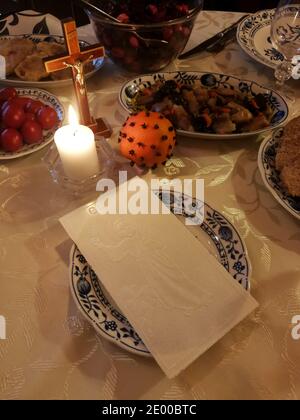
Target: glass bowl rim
[134, 27]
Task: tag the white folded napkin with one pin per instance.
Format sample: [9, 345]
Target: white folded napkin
[178, 297]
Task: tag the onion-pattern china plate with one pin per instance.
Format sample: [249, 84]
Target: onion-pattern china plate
[216, 233]
[29, 22]
[48, 135]
[14, 81]
[271, 177]
[254, 37]
[210, 80]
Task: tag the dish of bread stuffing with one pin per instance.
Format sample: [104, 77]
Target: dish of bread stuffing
[279, 164]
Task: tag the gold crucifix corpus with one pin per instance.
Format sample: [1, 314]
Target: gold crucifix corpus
[75, 59]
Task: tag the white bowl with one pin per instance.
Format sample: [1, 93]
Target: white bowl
[212, 80]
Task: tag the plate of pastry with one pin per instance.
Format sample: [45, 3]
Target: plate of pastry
[279, 165]
[24, 56]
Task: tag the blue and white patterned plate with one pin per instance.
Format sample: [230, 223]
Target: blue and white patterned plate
[270, 176]
[29, 22]
[43, 84]
[211, 80]
[48, 99]
[253, 35]
[216, 233]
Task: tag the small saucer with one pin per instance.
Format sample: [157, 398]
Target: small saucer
[106, 157]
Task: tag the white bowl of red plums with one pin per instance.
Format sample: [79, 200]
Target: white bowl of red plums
[26, 119]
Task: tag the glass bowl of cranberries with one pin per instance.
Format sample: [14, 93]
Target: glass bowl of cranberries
[132, 39]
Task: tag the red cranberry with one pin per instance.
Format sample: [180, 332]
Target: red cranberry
[178, 28]
[168, 33]
[134, 42]
[152, 9]
[123, 18]
[183, 9]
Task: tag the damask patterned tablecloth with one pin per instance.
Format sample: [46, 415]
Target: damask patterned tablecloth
[51, 352]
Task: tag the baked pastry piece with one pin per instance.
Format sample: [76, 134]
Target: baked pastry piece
[15, 51]
[288, 157]
[31, 69]
[47, 49]
[25, 58]
[61, 74]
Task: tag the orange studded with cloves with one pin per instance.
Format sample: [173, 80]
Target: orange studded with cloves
[147, 139]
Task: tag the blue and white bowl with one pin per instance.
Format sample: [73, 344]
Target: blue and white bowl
[211, 80]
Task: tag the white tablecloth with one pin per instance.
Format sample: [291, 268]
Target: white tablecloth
[51, 352]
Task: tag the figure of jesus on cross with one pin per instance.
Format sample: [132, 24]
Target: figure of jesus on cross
[75, 59]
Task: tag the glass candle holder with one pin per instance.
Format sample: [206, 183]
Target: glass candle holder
[106, 157]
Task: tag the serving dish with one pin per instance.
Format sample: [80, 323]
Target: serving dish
[143, 39]
[47, 99]
[277, 103]
[14, 81]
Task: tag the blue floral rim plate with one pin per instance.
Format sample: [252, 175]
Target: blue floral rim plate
[254, 37]
[29, 22]
[38, 26]
[270, 176]
[36, 38]
[98, 308]
[210, 80]
[48, 99]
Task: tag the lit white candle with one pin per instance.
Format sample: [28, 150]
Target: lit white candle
[77, 149]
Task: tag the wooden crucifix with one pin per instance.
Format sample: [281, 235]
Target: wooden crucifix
[75, 59]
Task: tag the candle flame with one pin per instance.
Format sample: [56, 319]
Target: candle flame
[73, 119]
